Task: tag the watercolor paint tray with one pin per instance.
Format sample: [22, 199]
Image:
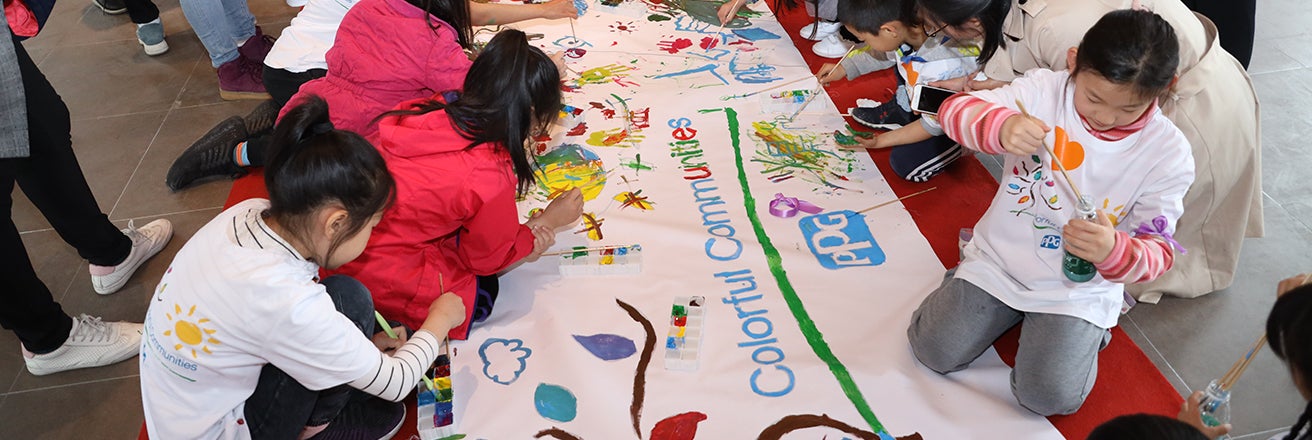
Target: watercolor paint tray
[683, 343]
[617, 260]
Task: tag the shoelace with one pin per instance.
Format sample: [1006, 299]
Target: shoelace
[91, 329]
[134, 234]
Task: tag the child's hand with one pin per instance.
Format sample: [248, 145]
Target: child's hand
[865, 143]
[728, 10]
[1092, 241]
[387, 344]
[835, 73]
[558, 58]
[562, 211]
[1291, 283]
[1191, 414]
[957, 84]
[543, 238]
[1022, 135]
[558, 9]
[445, 313]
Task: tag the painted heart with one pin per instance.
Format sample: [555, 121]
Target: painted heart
[1070, 152]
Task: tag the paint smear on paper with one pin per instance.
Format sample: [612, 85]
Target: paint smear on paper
[755, 34]
[555, 402]
[570, 166]
[677, 427]
[629, 199]
[607, 347]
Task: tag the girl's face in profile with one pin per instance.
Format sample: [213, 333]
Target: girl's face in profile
[353, 246]
[971, 30]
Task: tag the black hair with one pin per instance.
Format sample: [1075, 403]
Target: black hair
[1130, 47]
[512, 91]
[868, 15]
[312, 165]
[1145, 427]
[1289, 332]
[454, 13]
[991, 14]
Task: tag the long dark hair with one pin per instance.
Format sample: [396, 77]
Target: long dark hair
[991, 14]
[1136, 48]
[512, 91]
[454, 13]
[1145, 427]
[1289, 332]
[312, 165]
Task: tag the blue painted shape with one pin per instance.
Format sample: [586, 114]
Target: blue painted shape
[607, 347]
[582, 6]
[502, 372]
[755, 34]
[670, 343]
[707, 68]
[554, 402]
[841, 239]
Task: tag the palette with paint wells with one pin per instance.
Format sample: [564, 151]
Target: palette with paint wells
[606, 260]
[435, 416]
[687, 326]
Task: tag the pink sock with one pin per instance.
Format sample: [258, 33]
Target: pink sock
[311, 431]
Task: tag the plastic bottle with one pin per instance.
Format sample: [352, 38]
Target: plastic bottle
[1075, 268]
[1215, 407]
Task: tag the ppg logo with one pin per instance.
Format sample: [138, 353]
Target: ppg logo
[841, 239]
[1050, 241]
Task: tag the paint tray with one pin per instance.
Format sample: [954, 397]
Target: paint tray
[611, 260]
[683, 343]
[434, 413]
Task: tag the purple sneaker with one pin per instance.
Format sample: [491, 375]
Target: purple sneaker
[242, 79]
[256, 47]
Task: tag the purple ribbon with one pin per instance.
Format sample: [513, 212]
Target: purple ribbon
[1158, 227]
[785, 207]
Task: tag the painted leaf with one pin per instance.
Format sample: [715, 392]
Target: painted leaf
[1013, 186]
[555, 402]
[1023, 199]
[1053, 200]
[607, 347]
[678, 427]
[1015, 171]
[1049, 183]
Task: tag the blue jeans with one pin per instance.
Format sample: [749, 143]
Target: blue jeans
[220, 25]
[281, 407]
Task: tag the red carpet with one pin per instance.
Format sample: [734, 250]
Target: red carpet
[1127, 381]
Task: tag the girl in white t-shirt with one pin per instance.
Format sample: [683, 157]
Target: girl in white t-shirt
[243, 341]
[1105, 125]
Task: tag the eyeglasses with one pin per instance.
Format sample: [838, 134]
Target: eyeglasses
[936, 31]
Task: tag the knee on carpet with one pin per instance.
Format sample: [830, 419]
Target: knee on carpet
[1050, 397]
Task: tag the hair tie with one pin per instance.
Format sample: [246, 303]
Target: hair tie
[320, 128]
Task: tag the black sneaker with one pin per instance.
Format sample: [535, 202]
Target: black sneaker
[882, 117]
[260, 120]
[210, 156]
[365, 417]
[111, 7]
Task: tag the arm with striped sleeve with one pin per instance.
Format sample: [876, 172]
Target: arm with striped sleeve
[974, 122]
[1138, 259]
[396, 375]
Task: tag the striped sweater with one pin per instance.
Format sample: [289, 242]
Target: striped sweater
[1136, 173]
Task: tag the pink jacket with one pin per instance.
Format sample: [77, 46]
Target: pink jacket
[454, 216]
[385, 53]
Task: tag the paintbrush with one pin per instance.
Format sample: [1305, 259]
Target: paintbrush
[721, 29]
[1060, 166]
[899, 199]
[1240, 365]
[572, 33]
[598, 248]
[818, 88]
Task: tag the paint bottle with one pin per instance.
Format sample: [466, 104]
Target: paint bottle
[1215, 407]
[1075, 268]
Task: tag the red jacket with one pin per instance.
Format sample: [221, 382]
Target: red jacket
[454, 215]
[385, 53]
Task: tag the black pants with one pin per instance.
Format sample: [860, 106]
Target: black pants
[1234, 24]
[282, 84]
[141, 11]
[52, 179]
[281, 407]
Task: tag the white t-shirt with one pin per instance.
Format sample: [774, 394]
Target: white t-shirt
[1016, 253]
[304, 44]
[235, 298]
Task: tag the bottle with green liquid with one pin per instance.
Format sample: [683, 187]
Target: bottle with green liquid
[1215, 407]
[1075, 268]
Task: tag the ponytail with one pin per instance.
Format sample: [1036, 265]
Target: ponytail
[1289, 333]
[1302, 423]
[312, 165]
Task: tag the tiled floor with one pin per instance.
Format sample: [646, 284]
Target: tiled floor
[133, 114]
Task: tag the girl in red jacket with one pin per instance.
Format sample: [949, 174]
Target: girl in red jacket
[460, 163]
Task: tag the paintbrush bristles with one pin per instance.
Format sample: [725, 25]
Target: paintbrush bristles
[1060, 166]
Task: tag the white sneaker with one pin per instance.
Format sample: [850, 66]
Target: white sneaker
[146, 242]
[91, 343]
[832, 46]
[817, 31]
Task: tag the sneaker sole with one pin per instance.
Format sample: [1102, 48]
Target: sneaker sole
[109, 11]
[155, 49]
[237, 96]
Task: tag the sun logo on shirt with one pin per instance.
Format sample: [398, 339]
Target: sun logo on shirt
[192, 335]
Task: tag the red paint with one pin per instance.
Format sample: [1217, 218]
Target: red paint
[678, 427]
[674, 46]
[709, 42]
[608, 113]
[578, 129]
[597, 105]
[575, 52]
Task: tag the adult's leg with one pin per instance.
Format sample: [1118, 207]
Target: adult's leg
[922, 160]
[142, 11]
[1056, 362]
[26, 305]
[1234, 21]
[956, 323]
[209, 19]
[238, 18]
[281, 407]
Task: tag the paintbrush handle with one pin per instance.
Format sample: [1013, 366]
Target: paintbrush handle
[1243, 364]
[899, 199]
[1060, 166]
[777, 86]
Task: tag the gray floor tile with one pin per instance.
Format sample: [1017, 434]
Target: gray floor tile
[128, 304]
[1270, 56]
[108, 78]
[146, 194]
[108, 409]
[63, 20]
[1284, 97]
[108, 151]
[1282, 18]
[1202, 337]
[1295, 47]
[1136, 334]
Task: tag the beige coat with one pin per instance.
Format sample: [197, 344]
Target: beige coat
[1213, 104]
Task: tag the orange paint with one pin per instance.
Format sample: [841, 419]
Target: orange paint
[1070, 152]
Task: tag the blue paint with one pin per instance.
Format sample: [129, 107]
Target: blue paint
[710, 68]
[607, 347]
[582, 6]
[554, 402]
[755, 34]
[841, 239]
[513, 346]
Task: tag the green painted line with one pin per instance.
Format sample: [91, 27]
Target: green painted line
[813, 335]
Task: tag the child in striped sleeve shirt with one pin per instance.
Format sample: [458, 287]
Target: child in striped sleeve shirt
[1103, 121]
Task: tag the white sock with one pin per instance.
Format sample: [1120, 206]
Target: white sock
[155, 21]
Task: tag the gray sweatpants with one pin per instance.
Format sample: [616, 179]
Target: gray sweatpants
[1056, 362]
